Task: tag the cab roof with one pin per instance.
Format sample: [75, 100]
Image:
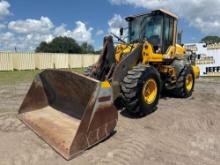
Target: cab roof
[152, 12]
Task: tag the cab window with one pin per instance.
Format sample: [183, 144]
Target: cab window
[153, 32]
[168, 30]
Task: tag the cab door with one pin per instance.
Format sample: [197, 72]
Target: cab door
[169, 35]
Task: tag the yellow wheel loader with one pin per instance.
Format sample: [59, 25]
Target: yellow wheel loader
[73, 112]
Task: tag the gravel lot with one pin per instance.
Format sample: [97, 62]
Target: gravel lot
[179, 132]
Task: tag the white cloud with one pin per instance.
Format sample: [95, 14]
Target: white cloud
[60, 30]
[99, 32]
[6, 40]
[81, 33]
[201, 14]
[43, 25]
[2, 26]
[115, 23]
[4, 9]
[7, 36]
[26, 35]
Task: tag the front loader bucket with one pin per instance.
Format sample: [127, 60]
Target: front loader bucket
[69, 111]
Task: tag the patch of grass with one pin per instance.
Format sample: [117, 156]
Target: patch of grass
[13, 77]
[79, 70]
[211, 78]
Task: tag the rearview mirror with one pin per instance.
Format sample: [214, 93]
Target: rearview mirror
[121, 31]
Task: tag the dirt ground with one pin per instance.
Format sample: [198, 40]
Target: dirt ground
[179, 132]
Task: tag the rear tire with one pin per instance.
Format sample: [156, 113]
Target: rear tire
[141, 90]
[185, 83]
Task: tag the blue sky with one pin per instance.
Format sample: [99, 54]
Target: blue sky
[95, 19]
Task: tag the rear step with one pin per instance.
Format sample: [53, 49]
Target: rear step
[69, 111]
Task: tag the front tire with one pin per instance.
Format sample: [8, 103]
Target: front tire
[141, 89]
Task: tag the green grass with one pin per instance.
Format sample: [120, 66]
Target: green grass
[13, 77]
[211, 78]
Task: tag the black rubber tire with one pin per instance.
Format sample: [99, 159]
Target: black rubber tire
[132, 89]
[180, 91]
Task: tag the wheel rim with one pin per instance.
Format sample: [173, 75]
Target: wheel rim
[189, 82]
[149, 91]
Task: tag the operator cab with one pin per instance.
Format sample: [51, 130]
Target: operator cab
[157, 27]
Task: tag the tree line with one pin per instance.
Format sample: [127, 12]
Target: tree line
[69, 45]
[65, 45]
[211, 39]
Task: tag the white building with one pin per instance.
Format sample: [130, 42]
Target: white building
[208, 58]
